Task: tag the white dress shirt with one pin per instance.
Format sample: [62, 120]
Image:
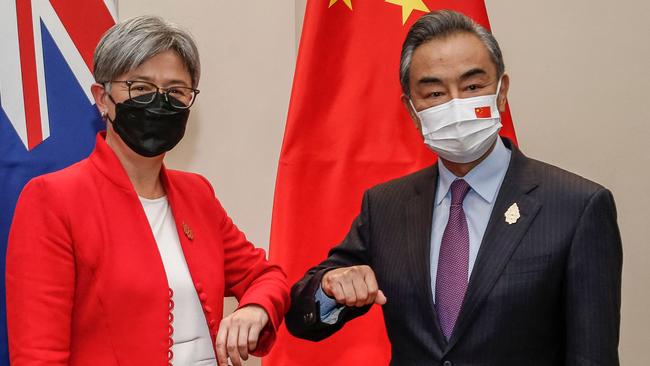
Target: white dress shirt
[192, 342]
[485, 181]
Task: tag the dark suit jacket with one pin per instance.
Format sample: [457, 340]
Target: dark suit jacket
[543, 291]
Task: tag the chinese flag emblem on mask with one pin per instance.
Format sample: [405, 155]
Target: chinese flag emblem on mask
[483, 112]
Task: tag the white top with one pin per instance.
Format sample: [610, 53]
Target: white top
[192, 342]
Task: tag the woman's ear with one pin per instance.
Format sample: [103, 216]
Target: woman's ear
[100, 95]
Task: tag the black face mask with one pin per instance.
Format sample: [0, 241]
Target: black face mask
[150, 129]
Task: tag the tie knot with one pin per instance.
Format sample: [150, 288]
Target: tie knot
[459, 189]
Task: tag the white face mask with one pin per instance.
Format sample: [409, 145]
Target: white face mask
[462, 130]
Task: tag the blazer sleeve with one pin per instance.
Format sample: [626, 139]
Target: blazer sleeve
[40, 275]
[253, 280]
[303, 319]
[593, 286]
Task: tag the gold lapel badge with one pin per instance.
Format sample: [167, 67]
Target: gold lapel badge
[512, 215]
[188, 232]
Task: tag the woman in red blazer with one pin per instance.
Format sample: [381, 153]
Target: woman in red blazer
[119, 261]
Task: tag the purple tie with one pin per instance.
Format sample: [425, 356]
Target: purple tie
[453, 262]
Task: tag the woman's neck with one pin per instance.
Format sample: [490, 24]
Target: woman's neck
[143, 172]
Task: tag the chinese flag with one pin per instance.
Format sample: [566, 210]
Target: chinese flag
[346, 131]
[483, 112]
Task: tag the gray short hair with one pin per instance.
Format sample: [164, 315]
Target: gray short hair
[130, 43]
[441, 24]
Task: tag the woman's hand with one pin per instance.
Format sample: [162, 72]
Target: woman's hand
[238, 334]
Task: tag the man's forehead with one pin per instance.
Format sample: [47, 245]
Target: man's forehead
[470, 74]
[457, 46]
[462, 55]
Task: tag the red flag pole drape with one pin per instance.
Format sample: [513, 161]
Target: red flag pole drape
[346, 131]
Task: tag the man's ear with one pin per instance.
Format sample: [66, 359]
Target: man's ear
[410, 108]
[502, 98]
[99, 93]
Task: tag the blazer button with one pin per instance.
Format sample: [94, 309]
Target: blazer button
[448, 363]
[207, 309]
[203, 297]
[198, 286]
[309, 318]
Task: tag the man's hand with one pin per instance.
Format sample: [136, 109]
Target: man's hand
[353, 286]
[238, 334]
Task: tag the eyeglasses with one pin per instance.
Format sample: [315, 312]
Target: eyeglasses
[144, 92]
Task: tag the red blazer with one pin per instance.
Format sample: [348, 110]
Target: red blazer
[85, 281]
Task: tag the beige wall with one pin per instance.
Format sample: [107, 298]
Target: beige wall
[235, 131]
[579, 72]
[579, 100]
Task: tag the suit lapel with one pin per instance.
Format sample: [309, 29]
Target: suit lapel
[500, 239]
[419, 216]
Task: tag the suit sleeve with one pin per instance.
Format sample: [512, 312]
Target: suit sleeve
[40, 275]
[593, 286]
[253, 280]
[303, 319]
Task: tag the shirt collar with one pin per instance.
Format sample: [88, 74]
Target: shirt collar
[485, 178]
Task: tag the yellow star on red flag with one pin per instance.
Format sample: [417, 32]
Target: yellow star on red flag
[347, 2]
[408, 6]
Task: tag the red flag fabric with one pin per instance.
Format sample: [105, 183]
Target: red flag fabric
[346, 131]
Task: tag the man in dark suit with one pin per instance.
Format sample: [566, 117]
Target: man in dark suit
[486, 258]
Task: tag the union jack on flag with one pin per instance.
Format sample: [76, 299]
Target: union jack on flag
[47, 115]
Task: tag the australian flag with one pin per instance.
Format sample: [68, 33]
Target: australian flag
[47, 115]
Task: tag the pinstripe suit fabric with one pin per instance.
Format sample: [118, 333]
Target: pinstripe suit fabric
[544, 291]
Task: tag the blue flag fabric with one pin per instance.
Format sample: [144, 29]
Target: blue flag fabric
[72, 121]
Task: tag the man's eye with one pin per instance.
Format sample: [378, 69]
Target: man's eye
[436, 94]
[472, 87]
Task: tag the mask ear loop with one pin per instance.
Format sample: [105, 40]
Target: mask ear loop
[499, 86]
[105, 113]
[415, 111]
[497, 94]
